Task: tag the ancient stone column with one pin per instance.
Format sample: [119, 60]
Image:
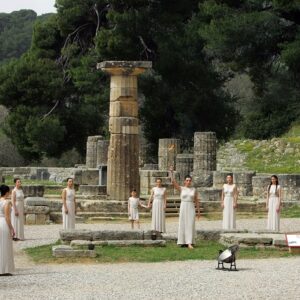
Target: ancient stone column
[91, 151]
[184, 164]
[205, 158]
[102, 152]
[123, 151]
[167, 152]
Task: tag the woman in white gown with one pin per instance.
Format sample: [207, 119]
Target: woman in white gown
[188, 197]
[17, 213]
[69, 205]
[273, 204]
[7, 265]
[159, 202]
[229, 203]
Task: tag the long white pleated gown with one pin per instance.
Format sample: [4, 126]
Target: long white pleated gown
[69, 218]
[18, 221]
[158, 211]
[186, 229]
[228, 211]
[273, 215]
[6, 245]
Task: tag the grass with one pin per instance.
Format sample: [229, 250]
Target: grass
[10, 180]
[204, 250]
[291, 212]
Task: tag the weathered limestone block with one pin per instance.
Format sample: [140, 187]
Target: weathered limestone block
[76, 234]
[184, 165]
[37, 201]
[119, 243]
[205, 145]
[102, 152]
[209, 194]
[68, 251]
[41, 219]
[36, 210]
[30, 219]
[91, 151]
[117, 235]
[260, 184]
[243, 181]
[150, 167]
[90, 177]
[167, 152]
[92, 190]
[127, 108]
[212, 235]
[123, 125]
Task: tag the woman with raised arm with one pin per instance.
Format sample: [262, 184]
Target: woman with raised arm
[69, 205]
[17, 212]
[188, 197]
[273, 204]
[7, 233]
[159, 202]
[229, 203]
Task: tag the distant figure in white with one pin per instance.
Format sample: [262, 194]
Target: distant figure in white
[7, 233]
[189, 198]
[273, 204]
[159, 203]
[69, 205]
[133, 209]
[229, 203]
[17, 213]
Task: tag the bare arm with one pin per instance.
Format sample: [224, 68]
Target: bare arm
[267, 200]
[280, 196]
[14, 202]
[165, 199]
[7, 210]
[64, 196]
[197, 202]
[235, 197]
[176, 185]
[222, 198]
[150, 198]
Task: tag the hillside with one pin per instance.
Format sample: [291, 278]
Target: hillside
[277, 155]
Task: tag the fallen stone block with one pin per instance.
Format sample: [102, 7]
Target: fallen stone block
[76, 234]
[68, 251]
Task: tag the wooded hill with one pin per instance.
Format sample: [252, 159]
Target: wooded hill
[56, 98]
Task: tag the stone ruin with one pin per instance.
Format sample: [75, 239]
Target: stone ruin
[113, 167]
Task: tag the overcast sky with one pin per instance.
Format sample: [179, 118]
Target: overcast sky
[39, 6]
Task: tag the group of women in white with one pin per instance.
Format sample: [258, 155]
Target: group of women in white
[190, 202]
[12, 212]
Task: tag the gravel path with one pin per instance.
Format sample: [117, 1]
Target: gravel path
[256, 279]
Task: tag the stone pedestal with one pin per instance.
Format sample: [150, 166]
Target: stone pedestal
[123, 152]
[102, 152]
[91, 151]
[167, 152]
[205, 158]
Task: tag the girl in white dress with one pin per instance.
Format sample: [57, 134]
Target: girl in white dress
[159, 197]
[229, 203]
[133, 211]
[7, 265]
[273, 204]
[188, 197]
[17, 213]
[69, 205]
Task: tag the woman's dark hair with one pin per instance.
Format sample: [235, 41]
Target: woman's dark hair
[16, 179]
[187, 176]
[70, 178]
[158, 178]
[133, 190]
[277, 183]
[229, 174]
[4, 189]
